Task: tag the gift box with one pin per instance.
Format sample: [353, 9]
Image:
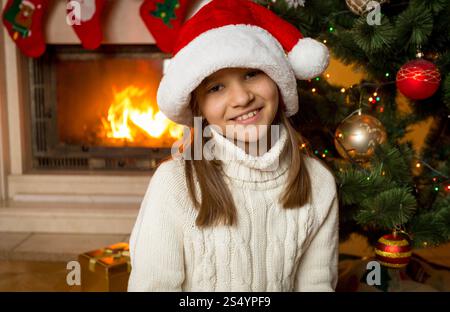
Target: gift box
[106, 269]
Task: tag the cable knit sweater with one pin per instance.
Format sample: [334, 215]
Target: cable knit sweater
[270, 248]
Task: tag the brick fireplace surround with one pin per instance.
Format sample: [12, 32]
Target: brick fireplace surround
[62, 202]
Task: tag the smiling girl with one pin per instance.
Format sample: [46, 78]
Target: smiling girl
[243, 219]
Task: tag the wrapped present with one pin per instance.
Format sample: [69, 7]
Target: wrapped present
[106, 269]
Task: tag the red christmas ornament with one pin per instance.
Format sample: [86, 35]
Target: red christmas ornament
[418, 79]
[393, 250]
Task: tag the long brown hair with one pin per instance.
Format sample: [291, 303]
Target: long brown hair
[216, 205]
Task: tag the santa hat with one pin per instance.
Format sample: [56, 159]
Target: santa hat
[232, 34]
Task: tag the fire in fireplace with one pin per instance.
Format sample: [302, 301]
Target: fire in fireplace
[98, 110]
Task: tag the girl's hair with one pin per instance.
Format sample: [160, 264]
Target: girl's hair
[216, 205]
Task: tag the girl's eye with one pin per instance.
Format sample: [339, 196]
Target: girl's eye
[214, 88]
[252, 73]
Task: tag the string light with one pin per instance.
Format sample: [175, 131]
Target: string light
[327, 75]
[313, 90]
[343, 90]
[317, 78]
[418, 165]
[325, 41]
[436, 188]
[387, 74]
[447, 188]
[375, 94]
[331, 29]
[323, 155]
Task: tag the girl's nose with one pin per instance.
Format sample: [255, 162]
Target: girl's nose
[241, 95]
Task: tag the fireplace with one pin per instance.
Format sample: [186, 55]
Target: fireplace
[97, 110]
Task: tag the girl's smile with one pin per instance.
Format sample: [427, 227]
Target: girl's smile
[249, 117]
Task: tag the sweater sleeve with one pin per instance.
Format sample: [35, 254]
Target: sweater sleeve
[156, 242]
[318, 267]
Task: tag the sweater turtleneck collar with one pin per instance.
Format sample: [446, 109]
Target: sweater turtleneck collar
[256, 172]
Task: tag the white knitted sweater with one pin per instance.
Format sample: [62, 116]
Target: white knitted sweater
[270, 249]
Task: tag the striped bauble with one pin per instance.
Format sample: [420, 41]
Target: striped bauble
[393, 250]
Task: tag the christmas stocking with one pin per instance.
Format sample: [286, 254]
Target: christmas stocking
[23, 20]
[163, 19]
[84, 16]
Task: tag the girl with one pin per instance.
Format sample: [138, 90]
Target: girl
[238, 220]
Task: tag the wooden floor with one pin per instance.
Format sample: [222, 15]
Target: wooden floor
[43, 267]
[34, 276]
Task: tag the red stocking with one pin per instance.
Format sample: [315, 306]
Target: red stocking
[163, 19]
[23, 20]
[86, 21]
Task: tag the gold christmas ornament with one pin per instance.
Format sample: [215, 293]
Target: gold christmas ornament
[358, 135]
[359, 7]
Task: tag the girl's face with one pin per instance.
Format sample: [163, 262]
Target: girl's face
[242, 102]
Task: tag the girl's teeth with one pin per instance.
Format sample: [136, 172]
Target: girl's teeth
[247, 116]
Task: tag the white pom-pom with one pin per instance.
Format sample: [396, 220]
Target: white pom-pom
[309, 58]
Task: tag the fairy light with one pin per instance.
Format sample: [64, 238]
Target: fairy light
[303, 145]
[375, 94]
[325, 41]
[436, 188]
[317, 78]
[313, 90]
[447, 188]
[371, 99]
[381, 109]
[378, 99]
[343, 90]
[418, 165]
[387, 74]
[331, 29]
[434, 179]
[316, 152]
[327, 75]
[323, 155]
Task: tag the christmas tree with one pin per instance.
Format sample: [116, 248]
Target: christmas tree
[403, 49]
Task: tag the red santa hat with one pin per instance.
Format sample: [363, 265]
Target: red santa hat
[232, 34]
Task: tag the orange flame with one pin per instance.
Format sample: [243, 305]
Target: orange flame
[132, 113]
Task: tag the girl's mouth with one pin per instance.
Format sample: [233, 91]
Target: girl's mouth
[248, 118]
